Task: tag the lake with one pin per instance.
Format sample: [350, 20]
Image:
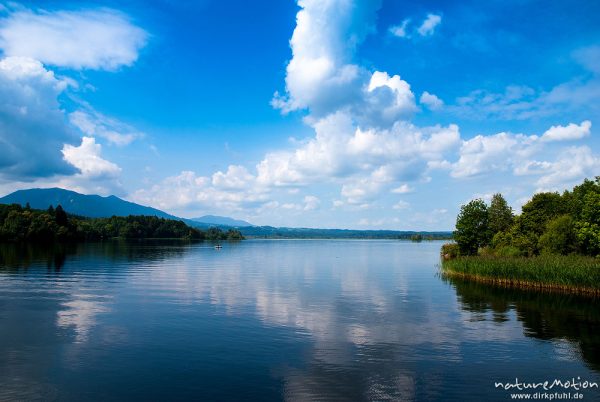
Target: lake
[276, 320]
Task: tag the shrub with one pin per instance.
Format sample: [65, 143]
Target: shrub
[508, 251]
[559, 237]
[450, 250]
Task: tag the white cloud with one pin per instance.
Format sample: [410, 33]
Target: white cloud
[532, 167]
[32, 127]
[191, 192]
[320, 75]
[401, 205]
[519, 154]
[403, 189]
[431, 101]
[86, 157]
[341, 150]
[360, 191]
[362, 143]
[388, 99]
[524, 103]
[570, 132]
[371, 222]
[95, 39]
[236, 178]
[494, 153]
[311, 203]
[428, 26]
[400, 30]
[94, 124]
[572, 166]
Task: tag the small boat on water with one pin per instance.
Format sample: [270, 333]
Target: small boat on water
[218, 247]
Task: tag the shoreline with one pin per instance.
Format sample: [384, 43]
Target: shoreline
[521, 284]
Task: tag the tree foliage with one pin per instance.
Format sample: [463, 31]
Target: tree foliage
[550, 223]
[500, 214]
[22, 224]
[559, 237]
[472, 227]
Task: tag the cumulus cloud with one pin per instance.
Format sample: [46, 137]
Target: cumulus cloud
[235, 178]
[95, 39]
[431, 101]
[566, 133]
[364, 161]
[428, 26]
[571, 166]
[311, 203]
[363, 142]
[322, 76]
[233, 190]
[388, 99]
[340, 150]
[493, 153]
[32, 127]
[40, 143]
[86, 157]
[520, 155]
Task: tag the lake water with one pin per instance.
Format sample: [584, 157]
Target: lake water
[275, 320]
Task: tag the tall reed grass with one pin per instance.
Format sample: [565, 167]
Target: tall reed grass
[570, 273]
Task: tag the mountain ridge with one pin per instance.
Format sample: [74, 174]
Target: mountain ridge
[96, 206]
[221, 220]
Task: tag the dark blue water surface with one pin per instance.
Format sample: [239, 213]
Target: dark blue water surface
[275, 320]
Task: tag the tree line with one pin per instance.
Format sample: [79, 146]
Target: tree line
[19, 223]
[550, 223]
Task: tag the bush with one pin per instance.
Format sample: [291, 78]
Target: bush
[559, 237]
[450, 250]
[508, 251]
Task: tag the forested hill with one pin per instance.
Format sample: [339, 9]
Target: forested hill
[271, 232]
[54, 224]
[96, 206]
[93, 206]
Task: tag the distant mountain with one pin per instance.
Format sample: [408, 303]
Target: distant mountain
[93, 206]
[221, 220]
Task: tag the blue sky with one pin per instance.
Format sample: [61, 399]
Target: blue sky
[332, 113]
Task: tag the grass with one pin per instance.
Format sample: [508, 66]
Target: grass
[572, 273]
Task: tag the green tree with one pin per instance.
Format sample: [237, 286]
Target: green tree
[234, 234]
[500, 214]
[588, 225]
[472, 227]
[416, 237]
[541, 209]
[575, 199]
[559, 237]
[60, 216]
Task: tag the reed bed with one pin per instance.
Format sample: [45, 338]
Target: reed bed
[572, 273]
